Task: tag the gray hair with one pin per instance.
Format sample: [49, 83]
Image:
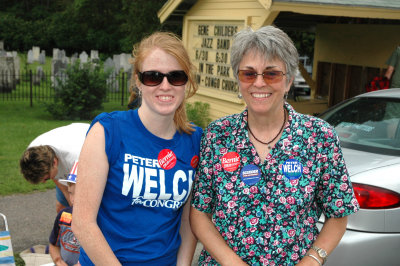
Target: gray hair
[269, 41]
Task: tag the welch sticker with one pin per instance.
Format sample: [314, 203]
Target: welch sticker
[250, 174]
[292, 169]
[166, 159]
[230, 161]
[195, 161]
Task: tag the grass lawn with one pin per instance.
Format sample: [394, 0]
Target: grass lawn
[19, 125]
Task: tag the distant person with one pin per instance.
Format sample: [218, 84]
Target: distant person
[393, 70]
[51, 156]
[63, 246]
[136, 167]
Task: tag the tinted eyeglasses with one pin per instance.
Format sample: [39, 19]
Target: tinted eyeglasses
[154, 78]
[269, 76]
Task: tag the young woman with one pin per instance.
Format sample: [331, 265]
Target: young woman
[136, 167]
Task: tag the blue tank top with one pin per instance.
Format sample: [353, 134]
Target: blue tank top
[148, 183]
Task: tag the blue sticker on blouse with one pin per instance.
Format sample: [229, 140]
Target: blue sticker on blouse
[292, 169]
[250, 174]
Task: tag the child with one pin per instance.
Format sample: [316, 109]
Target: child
[64, 247]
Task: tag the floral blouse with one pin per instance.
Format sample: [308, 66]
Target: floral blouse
[267, 212]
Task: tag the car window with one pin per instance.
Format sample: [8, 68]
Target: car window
[368, 124]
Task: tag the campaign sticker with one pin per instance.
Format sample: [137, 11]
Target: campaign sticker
[195, 161]
[230, 161]
[166, 159]
[250, 174]
[292, 169]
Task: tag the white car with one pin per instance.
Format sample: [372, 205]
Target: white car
[368, 126]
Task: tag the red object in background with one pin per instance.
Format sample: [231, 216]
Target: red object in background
[377, 83]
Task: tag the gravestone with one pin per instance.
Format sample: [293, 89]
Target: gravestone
[58, 68]
[36, 53]
[117, 62]
[94, 56]
[29, 59]
[112, 80]
[7, 74]
[42, 57]
[74, 58]
[39, 76]
[83, 57]
[17, 66]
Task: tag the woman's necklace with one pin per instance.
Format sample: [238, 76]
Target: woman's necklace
[269, 142]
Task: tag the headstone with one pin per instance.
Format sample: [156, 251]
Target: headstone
[117, 62]
[73, 58]
[17, 65]
[94, 55]
[125, 62]
[42, 57]
[58, 68]
[56, 54]
[30, 57]
[7, 74]
[83, 57]
[39, 76]
[36, 53]
[112, 79]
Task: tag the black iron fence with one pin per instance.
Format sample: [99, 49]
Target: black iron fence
[40, 86]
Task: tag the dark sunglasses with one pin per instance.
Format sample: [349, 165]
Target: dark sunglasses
[154, 78]
[269, 76]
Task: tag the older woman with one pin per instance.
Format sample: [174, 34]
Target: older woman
[267, 174]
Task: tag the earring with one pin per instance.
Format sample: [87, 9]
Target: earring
[240, 96]
[286, 95]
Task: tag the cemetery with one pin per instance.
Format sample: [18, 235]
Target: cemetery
[33, 76]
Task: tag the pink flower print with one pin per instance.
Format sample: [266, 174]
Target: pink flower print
[254, 189]
[229, 235]
[225, 122]
[344, 178]
[325, 177]
[309, 189]
[282, 200]
[218, 166]
[254, 221]
[339, 203]
[227, 133]
[231, 228]
[291, 200]
[207, 200]
[310, 236]
[219, 179]
[343, 187]
[223, 151]
[310, 220]
[286, 142]
[256, 202]
[231, 204]
[229, 186]
[251, 253]
[246, 191]
[295, 256]
[234, 178]
[291, 232]
[221, 214]
[308, 124]
[294, 183]
[269, 210]
[256, 160]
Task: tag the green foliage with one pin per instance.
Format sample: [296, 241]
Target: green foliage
[79, 93]
[199, 113]
[304, 42]
[111, 27]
